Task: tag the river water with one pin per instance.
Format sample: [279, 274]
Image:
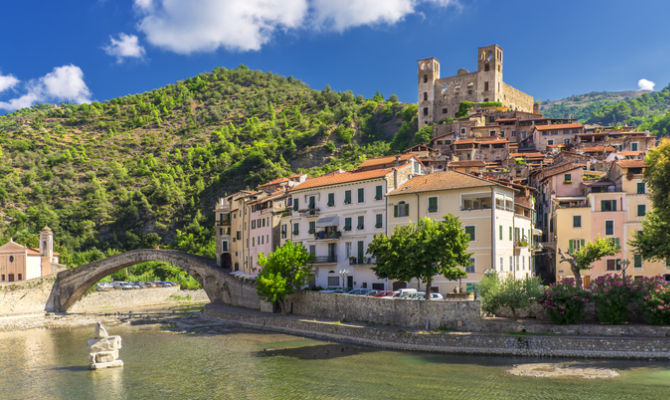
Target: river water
[242, 364]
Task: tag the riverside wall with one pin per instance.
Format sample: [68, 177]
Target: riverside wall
[30, 297]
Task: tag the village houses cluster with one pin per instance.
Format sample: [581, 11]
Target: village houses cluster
[522, 185]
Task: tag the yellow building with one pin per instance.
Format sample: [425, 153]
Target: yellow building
[501, 230]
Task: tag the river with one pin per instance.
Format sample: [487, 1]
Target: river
[243, 364]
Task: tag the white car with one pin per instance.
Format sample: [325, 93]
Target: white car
[401, 294]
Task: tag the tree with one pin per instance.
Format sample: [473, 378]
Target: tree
[653, 242]
[421, 251]
[284, 272]
[583, 258]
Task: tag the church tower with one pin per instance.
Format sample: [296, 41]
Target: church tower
[46, 249]
[428, 74]
[490, 73]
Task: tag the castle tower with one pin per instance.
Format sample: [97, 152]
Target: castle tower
[428, 73]
[490, 73]
[46, 249]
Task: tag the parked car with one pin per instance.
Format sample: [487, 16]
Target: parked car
[383, 293]
[104, 286]
[118, 284]
[359, 292]
[402, 293]
[436, 296]
[372, 293]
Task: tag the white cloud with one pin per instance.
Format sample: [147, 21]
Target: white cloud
[126, 46]
[244, 25]
[646, 84]
[7, 82]
[65, 83]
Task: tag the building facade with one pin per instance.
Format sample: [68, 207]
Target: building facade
[20, 263]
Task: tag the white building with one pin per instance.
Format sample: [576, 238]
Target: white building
[336, 216]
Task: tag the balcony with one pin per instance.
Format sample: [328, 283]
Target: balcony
[309, 212]
[327, 235]
[223, 222]
[360, 261]
[331, 259]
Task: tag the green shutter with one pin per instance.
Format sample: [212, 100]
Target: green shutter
[432, 204]
[572, 246]
[347, 224]
[614, 205]
[361, 252]
[602, 205]
[500, 233]
[395, 211]
[331, 199]
[295, 204]
[361, 195]
[641, 210]
[347, 197]
[407, 209]
[378, 194]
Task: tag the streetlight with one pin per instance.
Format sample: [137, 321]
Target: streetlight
[343, 273]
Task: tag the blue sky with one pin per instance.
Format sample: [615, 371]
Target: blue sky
[84, 50]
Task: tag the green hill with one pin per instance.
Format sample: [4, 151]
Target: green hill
[146, 169]
[645, 110]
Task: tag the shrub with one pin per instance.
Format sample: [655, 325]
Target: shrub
[511, 293]
[655, 305]
[613, 296]
[564, 302]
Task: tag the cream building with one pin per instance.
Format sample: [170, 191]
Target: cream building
[501, 231]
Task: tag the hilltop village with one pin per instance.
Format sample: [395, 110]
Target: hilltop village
[523, 186]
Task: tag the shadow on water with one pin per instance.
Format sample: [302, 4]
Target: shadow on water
[71, 368]
[325, 351]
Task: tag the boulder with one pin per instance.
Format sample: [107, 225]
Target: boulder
[103, 356]
[111, 364]
[108, 343]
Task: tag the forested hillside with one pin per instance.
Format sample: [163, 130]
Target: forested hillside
[146, 169]
[648, 111]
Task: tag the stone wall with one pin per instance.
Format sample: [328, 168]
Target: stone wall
[132, 299]
[26, 297]
[396, 312]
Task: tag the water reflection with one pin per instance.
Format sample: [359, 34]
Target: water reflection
[242, 364]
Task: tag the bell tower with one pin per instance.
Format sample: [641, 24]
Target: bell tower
[490, 73]
[428, 73]
[46, 249]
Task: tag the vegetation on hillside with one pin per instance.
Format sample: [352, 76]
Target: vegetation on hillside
[146, 169]
[649, 111]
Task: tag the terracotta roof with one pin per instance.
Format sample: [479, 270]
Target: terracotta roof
[274, 182]
[557, 126]
[506, 120]
[467, 163]
[374, 162]
[466, 141]
[440, 181]
[631, 163]
[631, 153]
[593, 134]
[494, 141]
[560, 168]
[534, 154]
[597, 149]
[345, 177]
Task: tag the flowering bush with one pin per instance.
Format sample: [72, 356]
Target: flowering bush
[564, 302]
[655, 304]
[614, 296]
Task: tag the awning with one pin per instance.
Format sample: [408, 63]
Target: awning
[327, 221]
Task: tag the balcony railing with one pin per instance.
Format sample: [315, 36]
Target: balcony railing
[327, 235]
[223, 222]
[309, 212]
[360, 261]
[325, 259]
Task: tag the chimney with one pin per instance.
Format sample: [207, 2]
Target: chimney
[397, 160]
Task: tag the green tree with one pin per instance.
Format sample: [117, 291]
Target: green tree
[284, 272]
[653, 242]
[582, 259]
[421, 251]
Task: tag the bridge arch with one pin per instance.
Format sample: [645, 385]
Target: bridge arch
[219, 285]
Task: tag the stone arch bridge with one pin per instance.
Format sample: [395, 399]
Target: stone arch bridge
[219, 285]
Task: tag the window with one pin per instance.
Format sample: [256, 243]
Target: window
[295, 204]
[425, 78]
[238, 235]
[20, 277]
[425, 96]
[296, 228]
[500, 232]
[567, 178]
[641, 210]
[2, 278]
[432, 204]
[510, 233]
[361, 195]
[347, 224]
[550, 142]
[613, 265]
[347, 197]
[501, 264]
[616, 242]
[347, 249]
[633, 146]
[333, 281]
[486, 67]
[486, 86]
[511, 264]
[378, 221]
[641, 188]
[312, 249]
[566, 141]
[312, 227]
[575, 245]
[444, 111]
[425, 111]
[361, 222]
[470, 269]
[253, 224]
[253, 241]
[378, 192]
[608, 205]
[576, 221]
[609, 227]
[401, 209]
[331, 199]
[361, 252]
[312, 202]
[283, 231]
[637, 261]
[470, 230]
